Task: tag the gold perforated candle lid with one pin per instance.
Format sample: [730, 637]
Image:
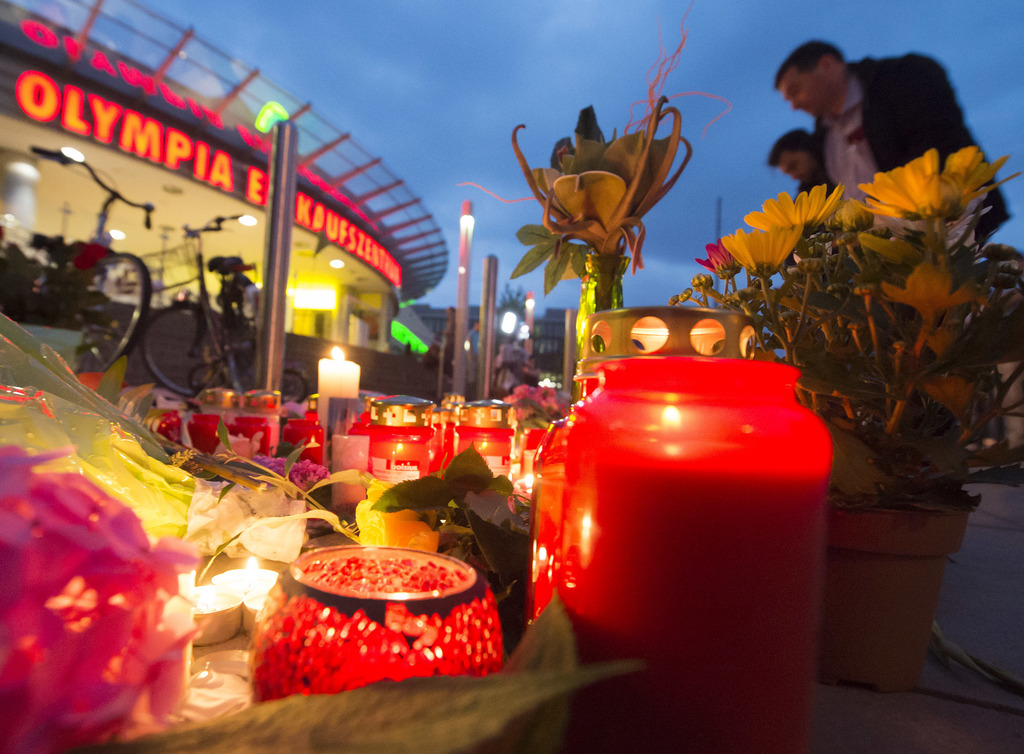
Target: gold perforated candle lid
[487, 414]
[663, 331]
[262, 400]
[401, 411]
[219, 398]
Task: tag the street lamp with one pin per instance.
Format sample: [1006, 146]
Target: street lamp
[462, 300]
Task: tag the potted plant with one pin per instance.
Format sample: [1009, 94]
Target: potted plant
[898, 318]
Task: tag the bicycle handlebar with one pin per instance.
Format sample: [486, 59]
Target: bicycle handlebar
[211, 226]
[112, 193]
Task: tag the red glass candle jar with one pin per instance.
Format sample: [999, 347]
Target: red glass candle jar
[344, 617]
[487, 425]
[693, 539]
[202, 432]
[266, 405]
[546, 516]
[302, 431]
[256, 428]
[167, 424]
[400, 435]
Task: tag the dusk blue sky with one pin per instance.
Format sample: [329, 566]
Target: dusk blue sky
[435, 88]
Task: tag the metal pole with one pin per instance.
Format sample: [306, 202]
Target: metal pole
[569, 351]
[485, 354]
[276, 253]
[462, 300]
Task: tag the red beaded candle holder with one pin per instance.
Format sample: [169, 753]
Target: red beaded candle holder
[344, 617]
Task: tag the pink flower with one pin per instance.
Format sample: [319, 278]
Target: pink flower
[718, 257]
[303, 474]
[94, 631]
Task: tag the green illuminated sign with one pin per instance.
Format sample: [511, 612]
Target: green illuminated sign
[403, 334]
[269, 114]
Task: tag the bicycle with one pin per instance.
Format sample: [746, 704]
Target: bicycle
[112, 325]
[190, 345]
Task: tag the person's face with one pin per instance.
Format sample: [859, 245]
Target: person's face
[797, 164]
[818, 91]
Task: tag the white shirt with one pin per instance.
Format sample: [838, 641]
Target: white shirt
[848, 158]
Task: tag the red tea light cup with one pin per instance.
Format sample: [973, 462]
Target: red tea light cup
[400, 436]
[303, 431]
[487, 425]
[345, 617]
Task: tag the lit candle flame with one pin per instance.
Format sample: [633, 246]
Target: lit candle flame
[337, 354]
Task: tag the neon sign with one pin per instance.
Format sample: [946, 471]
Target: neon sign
[269, 114]
[88, 115]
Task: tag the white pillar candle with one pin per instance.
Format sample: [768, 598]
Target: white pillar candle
[337, 380]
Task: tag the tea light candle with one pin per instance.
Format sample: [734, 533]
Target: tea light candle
[251, 606]
[338, 381]
[248, 580]
[218, 612]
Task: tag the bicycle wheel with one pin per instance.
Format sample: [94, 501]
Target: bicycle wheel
[177, 347]
[110, 329]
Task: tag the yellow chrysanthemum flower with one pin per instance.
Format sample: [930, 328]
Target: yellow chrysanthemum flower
[851, 216]
[762, 251]
[919, 190]
[809, 210]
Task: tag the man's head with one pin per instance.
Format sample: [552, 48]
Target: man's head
[795, 153]
[813, 79]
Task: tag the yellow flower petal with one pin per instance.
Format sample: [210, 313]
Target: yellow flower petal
[809, 210]
[762, 251]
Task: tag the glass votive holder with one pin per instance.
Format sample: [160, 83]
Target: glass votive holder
[344, 617]
[218, 613]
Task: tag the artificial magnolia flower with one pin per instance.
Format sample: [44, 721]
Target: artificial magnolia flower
[761, 250]
[809, 210]
[399, 529]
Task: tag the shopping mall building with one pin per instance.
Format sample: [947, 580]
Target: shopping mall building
[167, 118]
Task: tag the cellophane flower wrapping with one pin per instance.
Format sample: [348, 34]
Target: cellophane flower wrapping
[93, 631]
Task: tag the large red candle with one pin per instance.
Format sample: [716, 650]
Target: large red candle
[693, 539]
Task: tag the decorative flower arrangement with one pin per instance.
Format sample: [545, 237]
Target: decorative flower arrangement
[52, 285]
[91, 651]
[536, 407]
[897, 318]
[596, 193]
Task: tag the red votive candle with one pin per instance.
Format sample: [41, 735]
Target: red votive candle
[302, 431]
[546, 517]
[255, 428]
[693, 539]
[202, 432]
[344, 617]
[400, 434]
[487, 425]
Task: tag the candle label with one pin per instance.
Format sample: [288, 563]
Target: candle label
[499, 465]
[394, 469]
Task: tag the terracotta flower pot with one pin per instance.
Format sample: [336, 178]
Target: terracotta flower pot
[882, 580]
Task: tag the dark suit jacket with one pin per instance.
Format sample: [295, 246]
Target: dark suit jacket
[909, 107]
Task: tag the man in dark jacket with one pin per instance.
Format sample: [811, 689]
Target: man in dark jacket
[875, 115]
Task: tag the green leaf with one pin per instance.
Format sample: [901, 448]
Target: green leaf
[424, 493]
[441, 715]
[468, 472]
[531, 235]
[555, 270]
[113, 378]
[578, 259]
[507, 552]
[535, 257]
[222, 435]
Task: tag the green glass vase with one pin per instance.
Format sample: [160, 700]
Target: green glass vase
[600, 290]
